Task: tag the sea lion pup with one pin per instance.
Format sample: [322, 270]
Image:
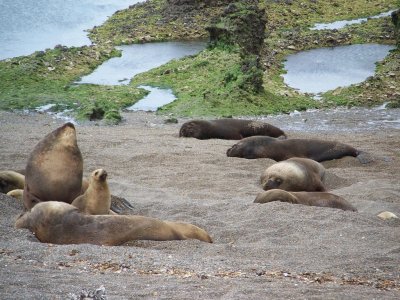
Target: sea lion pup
[321, 199]
[97, 198]
[228, 129]
[11, 180]
[54, 169]
[62, 223]
[294, 174]
[268, 147]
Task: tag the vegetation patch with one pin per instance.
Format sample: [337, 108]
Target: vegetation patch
[225, 79]
[49, 77]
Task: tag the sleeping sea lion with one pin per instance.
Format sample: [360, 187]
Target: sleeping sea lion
[17, 194]
[61, 223]
[294, 174]
[97, 198]
[228, 129]
[268, 147]
[11, 180]
[321, 199]
[54, 169]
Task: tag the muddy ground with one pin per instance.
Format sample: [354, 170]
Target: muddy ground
[260, 251]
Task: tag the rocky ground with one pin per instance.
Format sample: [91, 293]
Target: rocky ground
[274, 251]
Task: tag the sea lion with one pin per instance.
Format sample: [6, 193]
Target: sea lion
[321, 199]
[97, 198]
[11, 180]
[62, 223]
[17, 194]
[228, 129]
[54, 169]
[294, 174]
[268, 147]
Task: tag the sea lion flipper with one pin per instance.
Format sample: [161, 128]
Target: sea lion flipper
[120, 205]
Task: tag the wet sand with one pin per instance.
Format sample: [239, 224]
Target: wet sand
[260, 251]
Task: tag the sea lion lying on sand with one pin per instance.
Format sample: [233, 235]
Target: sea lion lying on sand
[11, 180]
[294, 174]
[268, 147]
[228, 129]
[321, 199]
[62, 223]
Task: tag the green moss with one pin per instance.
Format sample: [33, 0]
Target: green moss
[48, 78]
[216, 82]
[209, 84]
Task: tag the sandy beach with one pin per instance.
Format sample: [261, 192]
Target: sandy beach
[260, 251]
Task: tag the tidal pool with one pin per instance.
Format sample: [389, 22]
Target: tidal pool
[27, 26]
[138, 58]
[156, 98]
[320, 70]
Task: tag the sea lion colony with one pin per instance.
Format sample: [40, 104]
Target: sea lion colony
[53, 180]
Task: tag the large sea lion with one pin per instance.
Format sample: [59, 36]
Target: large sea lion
[294, 174]
[11, 180]
[54, 169]
[97, 198]
[321, 199]
[268, 147]
[61, 223]
[228, 129]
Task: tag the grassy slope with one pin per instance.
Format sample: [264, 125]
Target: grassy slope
[206, 84]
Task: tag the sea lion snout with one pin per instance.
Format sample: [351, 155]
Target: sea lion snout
[272, 184]
[101, 174]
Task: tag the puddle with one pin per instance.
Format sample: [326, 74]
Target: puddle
[155, 99]
[138, 58]
[320, 70]
[341, 24]
[62, 115]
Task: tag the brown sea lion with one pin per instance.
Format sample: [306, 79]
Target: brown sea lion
[268, 147]
[294, 174]
[118, 204]
[321, 199]
[97, 198]
[61, 223]
[228, 129]
[11, 180]
[54, 169]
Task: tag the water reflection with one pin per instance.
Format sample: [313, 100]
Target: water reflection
[139, 58]
[324, 69]
[27, 26]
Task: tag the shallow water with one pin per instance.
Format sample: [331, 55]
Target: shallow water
[320, 70]
[155, 99]
[343, 23]
[139, 58]
[27, 26]
[339, 119]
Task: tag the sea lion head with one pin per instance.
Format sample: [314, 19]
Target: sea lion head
[99, 175]
[283, 175]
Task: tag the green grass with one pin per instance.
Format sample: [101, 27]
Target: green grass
[48, 78]
[209, 85]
